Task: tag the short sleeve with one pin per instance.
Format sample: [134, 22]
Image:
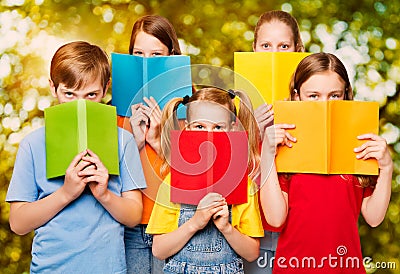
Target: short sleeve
[131, 171]
[165, 215]
[284, 182]
[368, 191]
[246, 217]
[23, 187]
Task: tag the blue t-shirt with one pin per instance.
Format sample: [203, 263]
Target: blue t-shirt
[83, 237]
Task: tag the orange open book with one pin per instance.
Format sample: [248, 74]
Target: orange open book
[326, 135]
[203, 162]
[265, 76]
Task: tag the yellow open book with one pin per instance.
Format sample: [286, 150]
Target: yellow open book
[265, 76]
[326, 135]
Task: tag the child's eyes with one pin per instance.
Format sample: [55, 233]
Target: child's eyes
[156, 54]
[285, 46]
[199, 127]
[265, 46]
[92, 95]
[137, 52]
[68, 94]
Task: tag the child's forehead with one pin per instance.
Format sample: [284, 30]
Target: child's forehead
[205, 110]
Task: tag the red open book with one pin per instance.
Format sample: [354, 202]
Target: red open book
[203, 162]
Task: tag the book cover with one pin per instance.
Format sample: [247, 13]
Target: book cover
[203, 162]
[75, 126]
[265, 76]
[135, 77]
[326, 135]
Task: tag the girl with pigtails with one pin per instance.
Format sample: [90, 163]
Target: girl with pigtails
[211, 237]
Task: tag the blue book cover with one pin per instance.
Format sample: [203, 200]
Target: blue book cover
[135, 77]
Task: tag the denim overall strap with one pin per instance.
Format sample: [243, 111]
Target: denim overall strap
[207, 252]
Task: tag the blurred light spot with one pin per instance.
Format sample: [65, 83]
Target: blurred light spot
[97, 10]
[380, 7]
[391, 133]
[119, 27]
[37, 122]
[306, 24]
[15, 123]
[10, 3]
[305, 37]
[139, 9]
[43, 24]
[216, 61]
[6, 122]
[15, 138]
[204, 73]
[248, 35]
[287, 7]
[1, 109]
[43, 82]
[39, 2]
[8, 109]
[188, 49]
[188, 19]
[391, 43]
[23, 115]
[5, 66]
[43, 102]
[252, 20]
[315, 48]
[29, 103]
[373, 75]
[379, 55]
[108, 15]
[339, 27]
[390, 87]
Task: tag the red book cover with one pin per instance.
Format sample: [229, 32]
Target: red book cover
[203, 162]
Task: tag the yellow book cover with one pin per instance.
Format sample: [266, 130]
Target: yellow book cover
[265, 76]
[326, 135]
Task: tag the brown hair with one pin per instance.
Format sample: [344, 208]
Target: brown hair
[322, 62]
[158, 27]
[317, 63]
[76, 63]
[169, 121]
[284, 17]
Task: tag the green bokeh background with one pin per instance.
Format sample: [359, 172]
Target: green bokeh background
[364, 34]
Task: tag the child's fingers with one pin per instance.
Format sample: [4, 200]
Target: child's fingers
[93, 158]
[77, 159]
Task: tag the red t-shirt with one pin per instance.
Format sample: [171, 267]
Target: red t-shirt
[321, 230]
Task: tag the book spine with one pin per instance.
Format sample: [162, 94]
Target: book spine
[82, 125]
[145, 86]
[329, 120]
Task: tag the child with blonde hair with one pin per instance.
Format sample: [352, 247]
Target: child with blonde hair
[211, 237]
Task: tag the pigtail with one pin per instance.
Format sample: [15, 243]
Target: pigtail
[246, 117]
[169, 121]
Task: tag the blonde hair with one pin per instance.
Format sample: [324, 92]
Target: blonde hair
[322, 62]
[287, 19]
[169, 121]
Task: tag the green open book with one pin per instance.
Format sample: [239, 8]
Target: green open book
[75, 126]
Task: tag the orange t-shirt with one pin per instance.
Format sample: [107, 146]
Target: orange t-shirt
[151, 164]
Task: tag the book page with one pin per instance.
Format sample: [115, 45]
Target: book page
[203, 162]
[309, 154]
[350, 119]
[265, 76]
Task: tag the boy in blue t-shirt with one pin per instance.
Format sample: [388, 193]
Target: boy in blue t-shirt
[78, 218]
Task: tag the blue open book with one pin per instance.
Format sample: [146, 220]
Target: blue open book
[135, 77]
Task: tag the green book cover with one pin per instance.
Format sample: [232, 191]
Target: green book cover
[75, 126]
